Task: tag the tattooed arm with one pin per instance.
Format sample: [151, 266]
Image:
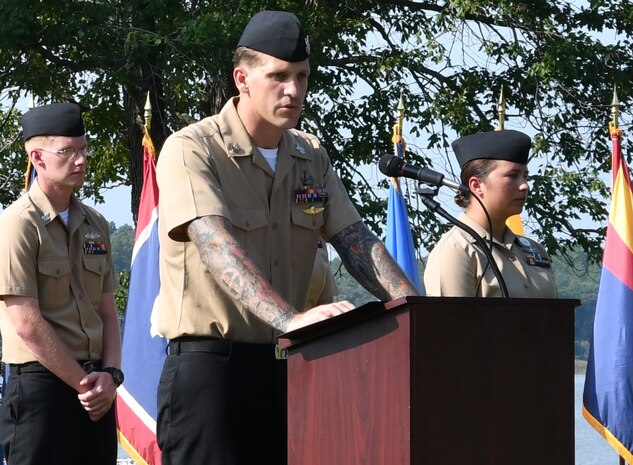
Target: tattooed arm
[369, 262]
[238, 276]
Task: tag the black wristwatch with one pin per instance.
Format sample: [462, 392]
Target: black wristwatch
[117, 375]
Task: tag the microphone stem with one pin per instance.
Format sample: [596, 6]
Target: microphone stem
[434, 206]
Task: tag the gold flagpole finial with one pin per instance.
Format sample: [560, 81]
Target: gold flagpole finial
[396, 138]
[401, 109]
[148, 113]
[29, 165]
[501, 110]
[615, 109]
[399, 144]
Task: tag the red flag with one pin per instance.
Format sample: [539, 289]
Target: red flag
[143, 347]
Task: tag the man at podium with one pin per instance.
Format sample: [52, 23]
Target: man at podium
[244, 198]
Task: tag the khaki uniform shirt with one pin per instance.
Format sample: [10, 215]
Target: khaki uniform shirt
[456, 264]
[65, 269]
[212, 168]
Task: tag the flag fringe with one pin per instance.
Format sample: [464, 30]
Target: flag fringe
[608, 436]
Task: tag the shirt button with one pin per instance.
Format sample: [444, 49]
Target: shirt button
[525, 285]
[275, 263]
[512, 259]
[274, 225]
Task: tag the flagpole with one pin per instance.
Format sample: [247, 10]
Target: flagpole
[399, 239]
[399, 145]
[148, 113]
[515, 223]
[501, 110]
[615, 108]
[615, 134]
[30, 171]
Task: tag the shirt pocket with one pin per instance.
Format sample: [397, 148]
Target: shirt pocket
[54, 282]
[306, 230]
[95, 269]
[311, 220]
[251, 230]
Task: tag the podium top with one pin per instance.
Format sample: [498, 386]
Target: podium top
[375, 309]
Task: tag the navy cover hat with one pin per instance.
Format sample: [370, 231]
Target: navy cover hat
[56, 119]
[276, 33]
[507, 145]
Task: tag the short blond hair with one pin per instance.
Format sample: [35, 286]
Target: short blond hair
[37, 141]
[247, 56]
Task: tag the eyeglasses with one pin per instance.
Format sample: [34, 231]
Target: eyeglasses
[70, 154]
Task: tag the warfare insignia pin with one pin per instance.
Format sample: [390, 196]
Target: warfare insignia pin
[313, 210]
[92, 235]
[300, 149]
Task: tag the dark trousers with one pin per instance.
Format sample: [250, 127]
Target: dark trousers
[43, 422]
[222, 403]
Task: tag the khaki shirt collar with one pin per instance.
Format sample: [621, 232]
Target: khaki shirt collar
[508, 236]
[238, 142]
[48, 213]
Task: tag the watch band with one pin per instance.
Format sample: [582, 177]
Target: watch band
[116, 373]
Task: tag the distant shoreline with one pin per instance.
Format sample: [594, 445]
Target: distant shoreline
[580, 366]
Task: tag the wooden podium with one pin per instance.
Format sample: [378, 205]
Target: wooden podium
[434, 381]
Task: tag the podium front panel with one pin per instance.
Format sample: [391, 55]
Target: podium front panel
[435, 381]
[349, 396]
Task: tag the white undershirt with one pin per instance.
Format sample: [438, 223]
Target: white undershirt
[65, 215]
[271, 156]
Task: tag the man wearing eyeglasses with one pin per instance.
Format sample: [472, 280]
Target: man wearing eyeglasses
[60, 333]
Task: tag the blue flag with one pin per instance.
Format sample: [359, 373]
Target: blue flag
[399, 240]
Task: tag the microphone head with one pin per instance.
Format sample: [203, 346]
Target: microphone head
[390, 165]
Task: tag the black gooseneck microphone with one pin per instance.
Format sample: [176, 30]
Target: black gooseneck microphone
[395, 167]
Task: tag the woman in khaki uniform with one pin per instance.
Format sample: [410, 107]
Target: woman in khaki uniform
[494, 167]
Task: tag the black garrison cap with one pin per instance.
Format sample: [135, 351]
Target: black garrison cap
[56, 119]
[276, 33]
[497, 145]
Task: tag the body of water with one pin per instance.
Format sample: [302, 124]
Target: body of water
[591, 448]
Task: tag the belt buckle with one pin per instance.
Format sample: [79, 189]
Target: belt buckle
[90, 366]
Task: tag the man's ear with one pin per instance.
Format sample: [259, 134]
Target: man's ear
[240, 77]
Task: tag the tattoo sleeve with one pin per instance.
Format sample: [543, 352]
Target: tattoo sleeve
[235, 272]
[369, 262]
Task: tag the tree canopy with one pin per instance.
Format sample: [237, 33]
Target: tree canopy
[556, 61]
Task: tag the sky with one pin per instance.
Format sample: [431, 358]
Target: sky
[116, 206]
